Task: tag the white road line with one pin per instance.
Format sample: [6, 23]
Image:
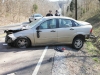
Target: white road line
[40, 61]
[5, 44]
[11, 74]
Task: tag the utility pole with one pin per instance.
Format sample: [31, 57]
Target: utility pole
[76, 9]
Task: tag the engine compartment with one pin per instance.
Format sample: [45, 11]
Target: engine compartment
[13, 31]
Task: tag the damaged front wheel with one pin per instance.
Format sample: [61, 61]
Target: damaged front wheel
[22, 42]
[11, 44]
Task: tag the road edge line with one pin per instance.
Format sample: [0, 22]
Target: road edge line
[40, 61]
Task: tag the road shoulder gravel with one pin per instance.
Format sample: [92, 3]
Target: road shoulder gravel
[73, 62]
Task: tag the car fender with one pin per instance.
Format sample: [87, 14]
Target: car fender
[12, 36]
[80, 33]
[26, 33]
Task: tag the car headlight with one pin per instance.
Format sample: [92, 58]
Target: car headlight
[12, 36]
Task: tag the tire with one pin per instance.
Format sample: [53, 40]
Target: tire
[78, 43]
[22, 42]
[11, 44]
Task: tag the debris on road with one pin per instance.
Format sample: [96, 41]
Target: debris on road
[60, 49]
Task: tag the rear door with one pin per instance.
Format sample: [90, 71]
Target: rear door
[48, 33]
[66, 31]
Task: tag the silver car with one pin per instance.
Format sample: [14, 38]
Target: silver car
[35, 17]
[50, 31]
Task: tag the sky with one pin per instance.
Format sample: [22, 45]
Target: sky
[57, 0]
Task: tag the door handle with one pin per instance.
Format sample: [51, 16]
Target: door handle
[39, 31]
[53, 31]
[71, 29]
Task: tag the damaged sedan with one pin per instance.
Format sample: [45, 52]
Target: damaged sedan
[50, 31]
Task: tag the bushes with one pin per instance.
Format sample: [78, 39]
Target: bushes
[35, 7]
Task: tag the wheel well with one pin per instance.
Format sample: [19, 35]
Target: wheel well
[80, 36]
[27, 38]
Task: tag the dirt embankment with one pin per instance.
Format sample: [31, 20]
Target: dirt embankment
[95, 21]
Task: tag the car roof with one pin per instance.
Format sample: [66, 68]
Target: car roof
[62, 17]
[37, 14]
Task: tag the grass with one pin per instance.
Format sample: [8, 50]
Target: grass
[92, 50]
[96, 59]
[94, 47]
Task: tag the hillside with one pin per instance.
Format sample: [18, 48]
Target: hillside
[89, 10]
[93, 16]
[95, 21]
[15, 11]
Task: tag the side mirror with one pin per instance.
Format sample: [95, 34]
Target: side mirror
[38, 28]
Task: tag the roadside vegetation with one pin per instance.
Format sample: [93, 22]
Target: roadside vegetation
[15, 11]
[93, 51]
[94, 46]
[93, 17]
[89, 10]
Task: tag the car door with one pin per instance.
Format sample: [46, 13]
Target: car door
[66, 31]
[47, 33]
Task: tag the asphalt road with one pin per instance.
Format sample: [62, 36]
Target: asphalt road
[45, 60]
[14, 61]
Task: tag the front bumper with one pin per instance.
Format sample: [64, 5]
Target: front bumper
[8, 39]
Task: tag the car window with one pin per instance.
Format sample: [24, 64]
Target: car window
[49, 24]
[65, 23]
[75, 24]
[35, 22]
[37, 16]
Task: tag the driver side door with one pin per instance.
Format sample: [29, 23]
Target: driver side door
[47, 33]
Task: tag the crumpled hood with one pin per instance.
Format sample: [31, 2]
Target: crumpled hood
[14, 30]
[83, 23]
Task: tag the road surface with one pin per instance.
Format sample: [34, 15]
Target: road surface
[45, 60]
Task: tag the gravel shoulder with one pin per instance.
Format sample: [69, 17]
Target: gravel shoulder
[73, 62]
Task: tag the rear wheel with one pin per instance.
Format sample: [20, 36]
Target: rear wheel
[22, 42]
[78, 43]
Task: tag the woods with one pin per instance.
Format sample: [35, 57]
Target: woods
[85, 7]
[19, 10]
[12, 11]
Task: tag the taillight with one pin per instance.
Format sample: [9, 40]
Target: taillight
[91, 31]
